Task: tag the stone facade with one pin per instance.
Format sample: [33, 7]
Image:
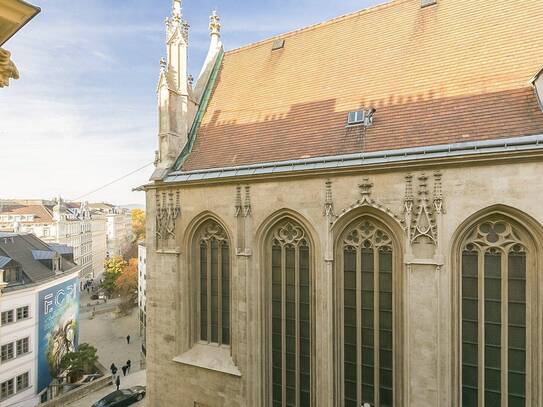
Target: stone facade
[262, 274]
[426, 280]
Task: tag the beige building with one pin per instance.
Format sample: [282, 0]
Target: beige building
[14, 14]
[99, 242]
[350, 214]
[61, 222]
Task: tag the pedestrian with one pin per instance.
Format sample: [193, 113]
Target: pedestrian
[118, 382]
[113, 368]
[124, 368]
[128, 363]
[128, 339]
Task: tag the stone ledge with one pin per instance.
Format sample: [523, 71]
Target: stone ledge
[210, 357]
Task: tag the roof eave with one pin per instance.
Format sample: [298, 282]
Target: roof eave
[35, 11]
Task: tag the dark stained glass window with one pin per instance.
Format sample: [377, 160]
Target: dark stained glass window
[214, 285]
[290, 317]
[367, 316]
[493, 317]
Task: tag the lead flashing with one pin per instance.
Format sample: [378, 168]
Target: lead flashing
[472, 148]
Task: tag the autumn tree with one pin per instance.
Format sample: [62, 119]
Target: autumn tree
[127, 285]
[113, 269]
[138, 224]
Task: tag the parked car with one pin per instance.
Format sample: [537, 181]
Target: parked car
[89, 378]
[121, 398]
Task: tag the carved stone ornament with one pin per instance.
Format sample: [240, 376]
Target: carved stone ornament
[168, 209]
[8, 70]
[421, 213]
[247, 209]
[289, 234]
[328, 200]
[238, 206]
[494, 235]
[366, 234]
[366, 190]
[213, 231]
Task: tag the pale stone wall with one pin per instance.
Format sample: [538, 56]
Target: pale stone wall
[425, 313]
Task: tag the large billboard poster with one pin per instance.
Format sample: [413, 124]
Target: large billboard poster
[58, 329]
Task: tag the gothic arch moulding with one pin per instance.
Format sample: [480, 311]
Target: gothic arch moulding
[500, 229]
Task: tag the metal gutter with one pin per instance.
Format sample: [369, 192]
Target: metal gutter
[471, 148]
[193, 133]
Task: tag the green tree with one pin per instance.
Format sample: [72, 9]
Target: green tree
[113, 269]
[80, 362]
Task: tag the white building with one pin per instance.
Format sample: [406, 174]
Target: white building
[28, 267]
[119, 228]
[142, 293]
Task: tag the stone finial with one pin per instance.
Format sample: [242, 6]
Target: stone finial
[215, 23]
[163, 65]
[177, 10]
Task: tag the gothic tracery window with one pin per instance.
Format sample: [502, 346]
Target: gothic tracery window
[367, 285]
[494, 340]
[214, 284]
[290, 316]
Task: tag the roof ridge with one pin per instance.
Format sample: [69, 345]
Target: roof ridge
[311, 27]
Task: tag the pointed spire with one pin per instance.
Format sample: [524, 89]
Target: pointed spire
[215, 23]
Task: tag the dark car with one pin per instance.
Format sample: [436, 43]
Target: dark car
[121, 398]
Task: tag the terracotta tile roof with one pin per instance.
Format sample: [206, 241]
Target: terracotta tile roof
[42, 213]
[458, 71]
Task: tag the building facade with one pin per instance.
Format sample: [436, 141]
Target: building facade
[61, 222]
[99, 242]
[349, 214]
[28, 268]
[14, 14]
[118, 228]
[142, 295]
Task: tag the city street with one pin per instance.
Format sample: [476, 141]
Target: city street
[133, 379]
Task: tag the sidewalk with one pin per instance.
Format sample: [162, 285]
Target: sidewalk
[134, 379]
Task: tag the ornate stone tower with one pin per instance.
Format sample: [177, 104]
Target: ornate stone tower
[174, 99]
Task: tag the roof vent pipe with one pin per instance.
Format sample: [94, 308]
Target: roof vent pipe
[426, 3]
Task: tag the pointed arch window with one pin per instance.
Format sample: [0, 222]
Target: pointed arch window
[367, 319]
[494, 335]
[213, 284]
[290, 316]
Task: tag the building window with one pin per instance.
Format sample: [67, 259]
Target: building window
[6, 389]
[7, 317]
[290, 316]
[22, 313]
[23, 382]
[367, 317]
[22, 346]
[214, 284]
[7, 352]
[495, 346]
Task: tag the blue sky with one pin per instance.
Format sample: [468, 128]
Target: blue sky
[84, 111]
